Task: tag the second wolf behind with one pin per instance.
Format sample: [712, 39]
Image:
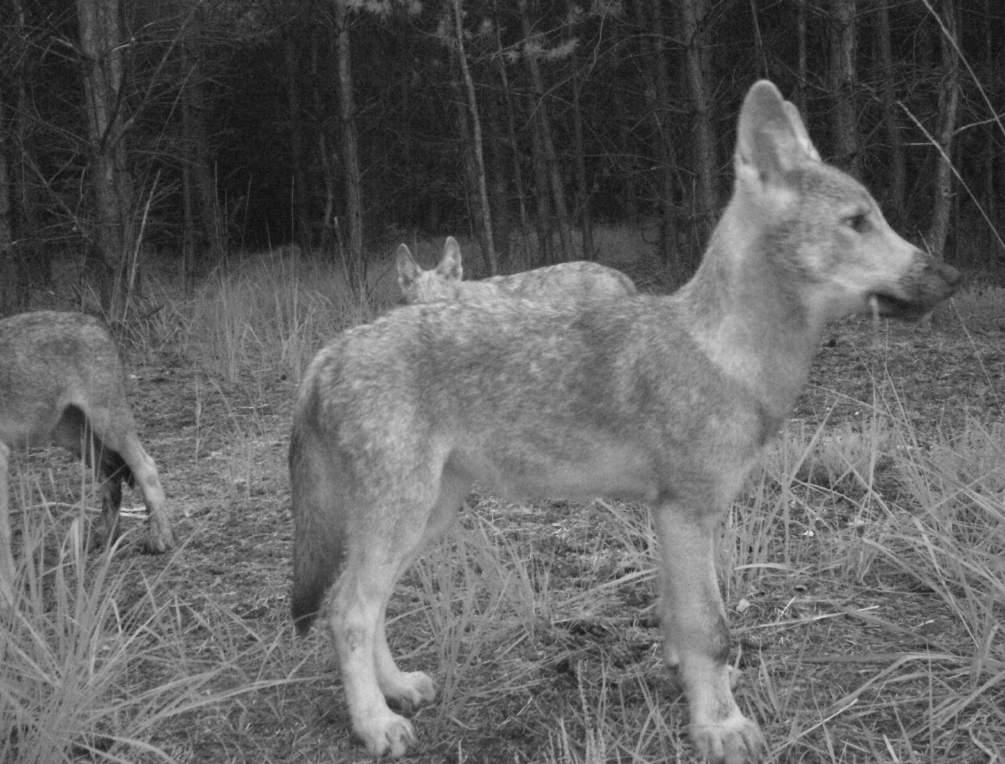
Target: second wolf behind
[663, 399]
[62, 381]
[576, 279]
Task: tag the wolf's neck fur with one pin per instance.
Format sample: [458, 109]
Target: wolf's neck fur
[746, 318]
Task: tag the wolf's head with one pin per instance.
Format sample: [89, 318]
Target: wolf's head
[440, 283]
[820, 229]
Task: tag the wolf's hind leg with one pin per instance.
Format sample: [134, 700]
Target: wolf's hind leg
[695, 630]
[410, 689]
[73, 431]
[160, 537]
[386, 534]
[356, 604]
[113, 424]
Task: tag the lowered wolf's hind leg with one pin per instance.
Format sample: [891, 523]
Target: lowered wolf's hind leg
[115, 426]
[160, 537]
[103, 430]
[694, 626]
[386, 534]
[408, 690]
[355, 606]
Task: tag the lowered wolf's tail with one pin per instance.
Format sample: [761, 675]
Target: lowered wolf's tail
[318, 518]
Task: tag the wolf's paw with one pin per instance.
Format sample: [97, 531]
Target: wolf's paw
[409, 690]
[386, 735]
[159, 540]
[737, 740]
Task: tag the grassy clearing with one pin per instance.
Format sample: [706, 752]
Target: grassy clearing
[862, 569]
[271, 314]
[98, 657]
[909, 544]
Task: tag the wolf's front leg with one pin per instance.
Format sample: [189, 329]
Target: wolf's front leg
[694, 626]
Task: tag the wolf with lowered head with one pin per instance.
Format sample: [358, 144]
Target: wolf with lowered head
[62, 381]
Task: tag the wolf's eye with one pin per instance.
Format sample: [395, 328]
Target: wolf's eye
[858, 222]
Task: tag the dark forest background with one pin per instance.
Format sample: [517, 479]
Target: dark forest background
[196, 131]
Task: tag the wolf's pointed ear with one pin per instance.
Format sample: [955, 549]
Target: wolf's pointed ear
[771, 138]
[408, 269]
[802, 135]
[450, 265]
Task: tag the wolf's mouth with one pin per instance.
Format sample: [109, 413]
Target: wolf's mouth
[889, 306]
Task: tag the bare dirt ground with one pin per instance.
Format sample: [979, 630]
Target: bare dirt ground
[592, 667]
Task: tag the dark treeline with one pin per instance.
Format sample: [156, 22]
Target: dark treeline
[204, 128]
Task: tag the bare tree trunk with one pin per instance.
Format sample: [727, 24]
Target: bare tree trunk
[356, 264]
[949, 99]
[327, 228]
[189, 243]
[8, 264]
[896, 193]
[487, 237]
[843, 41]
[539, 161]
[630, 166]
[694, 31]
[660, 108]
[470, 167]
[189, 240]
[582, 182]
[203, 217]
[298, 155]
[510, 104]
[801, 69]
[101, 49]
[993, 251]
[544, 130]
[32, 262]
[497, 177]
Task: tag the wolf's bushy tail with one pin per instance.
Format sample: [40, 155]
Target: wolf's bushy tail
[319, 522]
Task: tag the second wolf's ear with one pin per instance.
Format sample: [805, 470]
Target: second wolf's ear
[408, 269]
[450, 265]
[771, 139]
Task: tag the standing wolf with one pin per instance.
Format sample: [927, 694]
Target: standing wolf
[61, 381]
[576, 279]
[664, 399]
